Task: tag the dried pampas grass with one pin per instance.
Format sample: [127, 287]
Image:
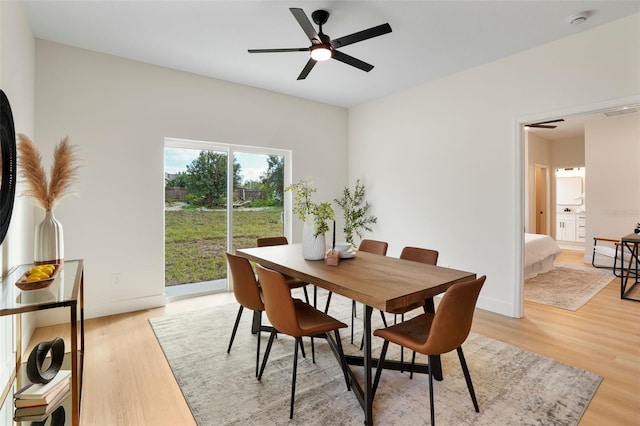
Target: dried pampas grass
[63, 171]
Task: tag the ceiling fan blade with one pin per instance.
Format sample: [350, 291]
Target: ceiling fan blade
[307, 69]
[547, 122]
[350, 60]
[304, 22]
[541, 126]
[294, 49]
[361, 35]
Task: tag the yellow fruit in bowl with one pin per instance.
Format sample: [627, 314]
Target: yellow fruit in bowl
[39, 275]
[34, 277]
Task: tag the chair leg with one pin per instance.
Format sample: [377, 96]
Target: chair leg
[383, 353]
[326, 306]
[384, 319]
[313, 351]
[293, 379]
[235, 328]
[258, 344]
[433, 412]
[467, 377]
[353, 314]
[343, 361]
[266, 353]
[413, 364]
[306, 295]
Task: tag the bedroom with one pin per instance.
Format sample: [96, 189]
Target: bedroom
[565, 151]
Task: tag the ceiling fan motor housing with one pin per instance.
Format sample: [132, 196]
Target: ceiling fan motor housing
[320, 17]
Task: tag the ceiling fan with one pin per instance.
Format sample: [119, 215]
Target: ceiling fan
[322, 46]
[544, 124]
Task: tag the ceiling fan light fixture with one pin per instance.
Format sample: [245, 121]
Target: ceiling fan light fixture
[320, 52]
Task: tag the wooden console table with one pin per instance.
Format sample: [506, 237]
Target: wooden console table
[631, 243]
[66, 290]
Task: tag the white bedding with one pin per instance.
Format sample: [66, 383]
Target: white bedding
[539, 253]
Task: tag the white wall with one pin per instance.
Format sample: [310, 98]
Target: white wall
[612, 178]
[443, 162]
[118, 113]
[17, 48]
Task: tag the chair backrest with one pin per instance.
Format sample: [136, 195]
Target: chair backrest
[278, 302]
[373, 246]
[422, 255]
[272, 241]
[452, 321]
[245, 286]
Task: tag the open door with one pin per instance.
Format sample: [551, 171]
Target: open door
[542, 200]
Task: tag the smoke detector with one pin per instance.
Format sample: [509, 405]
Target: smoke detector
[579, 18]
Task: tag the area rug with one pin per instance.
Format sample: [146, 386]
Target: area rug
[566, 286]
[513, 386]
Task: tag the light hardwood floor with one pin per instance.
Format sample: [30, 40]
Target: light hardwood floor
[127, 380]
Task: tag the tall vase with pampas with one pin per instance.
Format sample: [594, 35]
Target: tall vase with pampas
[49, 239]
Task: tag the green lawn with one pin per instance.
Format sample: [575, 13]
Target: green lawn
[195, 241]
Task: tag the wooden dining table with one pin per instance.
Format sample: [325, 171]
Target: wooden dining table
[381, 282]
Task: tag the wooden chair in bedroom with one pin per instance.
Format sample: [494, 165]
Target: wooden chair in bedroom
[611, 248]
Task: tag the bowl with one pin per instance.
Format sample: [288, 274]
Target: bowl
[342, 247]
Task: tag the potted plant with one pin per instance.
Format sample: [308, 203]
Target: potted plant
[315, 217]
[355, 209]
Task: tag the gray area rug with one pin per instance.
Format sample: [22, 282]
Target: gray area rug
[566, 286]
[513, 386]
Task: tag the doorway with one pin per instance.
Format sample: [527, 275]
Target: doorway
[575, 119]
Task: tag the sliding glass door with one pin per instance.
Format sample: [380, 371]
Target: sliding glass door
[218, 198]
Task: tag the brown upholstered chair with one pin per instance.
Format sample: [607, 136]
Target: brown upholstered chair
[247, 292]
[291, 281]
[435, 334]
[415, 254]
[374, 246]
[294, 318]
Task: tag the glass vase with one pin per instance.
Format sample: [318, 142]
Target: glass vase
[49, 241]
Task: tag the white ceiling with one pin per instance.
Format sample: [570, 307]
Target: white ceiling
[430, 39]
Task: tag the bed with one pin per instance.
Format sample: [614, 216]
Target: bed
[539, 253]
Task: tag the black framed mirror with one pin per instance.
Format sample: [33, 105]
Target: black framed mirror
[8, 165]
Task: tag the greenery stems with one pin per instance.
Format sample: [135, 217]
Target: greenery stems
[355, 209]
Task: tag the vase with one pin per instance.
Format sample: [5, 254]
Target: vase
[313, 247]
[49, 241]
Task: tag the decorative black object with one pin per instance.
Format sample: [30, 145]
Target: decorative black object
[8, 170]
[57, 418]
[37, 357]
[637, 230]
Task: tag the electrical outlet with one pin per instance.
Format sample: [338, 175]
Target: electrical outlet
[116, 278]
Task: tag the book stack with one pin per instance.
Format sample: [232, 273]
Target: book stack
[35, 402]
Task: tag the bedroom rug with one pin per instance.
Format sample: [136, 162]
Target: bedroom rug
[513, 386]
[566, 286]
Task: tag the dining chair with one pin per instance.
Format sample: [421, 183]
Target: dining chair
[369, 246]
[297, 319]
[414, 254]
[291, 281]
[247, 292]
[434, 334]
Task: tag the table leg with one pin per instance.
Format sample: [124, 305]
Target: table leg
[75, 395]
[625, 288]
[368, 383]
